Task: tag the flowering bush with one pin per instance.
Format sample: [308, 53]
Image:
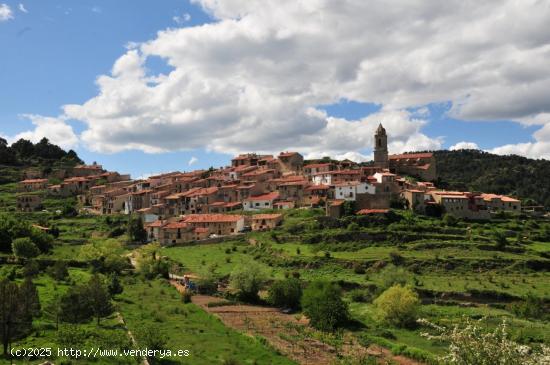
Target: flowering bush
[469, 344]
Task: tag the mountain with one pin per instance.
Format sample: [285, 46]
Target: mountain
[474, 170]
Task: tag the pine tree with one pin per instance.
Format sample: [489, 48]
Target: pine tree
[100, 300]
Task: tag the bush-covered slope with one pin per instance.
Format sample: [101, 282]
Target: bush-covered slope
[474, 170]
[43, 156]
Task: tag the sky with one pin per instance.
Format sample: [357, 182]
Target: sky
[144, 87]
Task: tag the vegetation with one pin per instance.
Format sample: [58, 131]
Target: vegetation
[398, 305]
[286, 293]
[19, 304]
[323, 304]
[473, 170]
[470, 343]
[248, 280]
[42, 157]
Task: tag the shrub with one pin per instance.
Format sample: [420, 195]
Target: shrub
[31, 268]
[469, 343]
[186, 296]
[24, 248]
[358, 268]
[58, 271]
[392, 275]
[396, 258]
[248, 280]
[449, 220]
[322, 303]
[286, 293]
[207, 285]
[530, 307]
[361, 295]
[397, 305]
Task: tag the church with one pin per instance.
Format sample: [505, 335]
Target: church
[419, 165]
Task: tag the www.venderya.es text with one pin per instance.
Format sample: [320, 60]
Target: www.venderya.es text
[95, 352]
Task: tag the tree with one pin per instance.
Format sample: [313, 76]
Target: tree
[43, 241]
[10, 312]
[322, 303]
[54, 310]
[29, 300]
[100, 300]
[24, 248]
[75, 305]
[286, 293]
[500, 240]
[59, 270]
[18, 306]
[114, 285]
[135, 230]
[397, 305]
[248, 280]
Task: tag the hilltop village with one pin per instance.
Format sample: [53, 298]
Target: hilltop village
[179, 207]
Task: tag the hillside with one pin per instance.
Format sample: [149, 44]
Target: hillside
[42, 156]
[473, 170]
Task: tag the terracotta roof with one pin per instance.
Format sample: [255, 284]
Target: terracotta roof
[266, 216]
[339, 172]
[157, 223]
[336, 202]
[292, 183]
[212, 218]
[411, 155]
[318, 187]
[31, 181]
[268, 196]
[349, 183]
[233, 204]
[176, 225]
[316, 165]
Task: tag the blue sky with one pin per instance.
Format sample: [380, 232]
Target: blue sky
[53, 52]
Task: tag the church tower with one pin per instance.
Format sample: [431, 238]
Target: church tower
[381, 148]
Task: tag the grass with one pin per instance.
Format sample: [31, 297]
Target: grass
[44, 334]
[189, 327]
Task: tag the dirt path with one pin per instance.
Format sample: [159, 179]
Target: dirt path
[290, 334]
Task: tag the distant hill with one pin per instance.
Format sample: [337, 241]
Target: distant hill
[474, 170]
[42, 156]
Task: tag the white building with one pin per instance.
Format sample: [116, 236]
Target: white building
[259, 202]
[349, 190]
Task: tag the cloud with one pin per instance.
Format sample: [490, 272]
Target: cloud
[253, 80]
[22, 8]
[539, 148]
[193, 160]
[97, 10]
[180, 19]
[5, 12]
[55, 129]
[464, 146]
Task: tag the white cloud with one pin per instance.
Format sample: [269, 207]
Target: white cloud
[97, 10]
[55, 129]
[193, 160]
[464, 146]
[22, 8]
[253, 80]
[180, 19]
[5, 12]
[539, 148]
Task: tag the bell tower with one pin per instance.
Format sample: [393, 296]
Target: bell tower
[381, 148]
